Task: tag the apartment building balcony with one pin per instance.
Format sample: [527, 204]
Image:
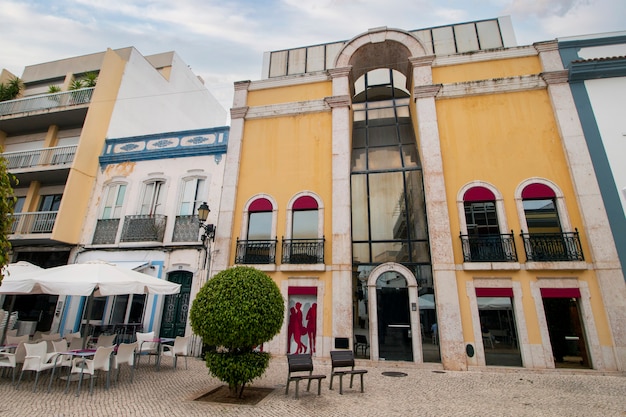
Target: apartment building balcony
[551, 247]
[144, 228]
[303, 251]
[37, 112]
[32, 227]
[27, 165]
[492, 248]
[256, 252]
[186, 229]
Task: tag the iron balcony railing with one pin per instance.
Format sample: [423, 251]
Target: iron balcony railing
[46, 101]
[546, 247]
[256, 252]
[35, 222]
[144, 228]
[492, 248]
[59, 155]
[303, 251]
[186, 229]
[106, 231]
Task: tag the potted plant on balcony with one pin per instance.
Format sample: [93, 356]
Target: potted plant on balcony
[11, 89]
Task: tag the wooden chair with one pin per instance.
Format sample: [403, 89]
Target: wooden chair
[360, 342]
[344, 359]
[298, 364]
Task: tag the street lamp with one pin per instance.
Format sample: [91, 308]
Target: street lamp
[209, 229]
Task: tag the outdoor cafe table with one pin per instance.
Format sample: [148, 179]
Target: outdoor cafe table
[78, 353]
[8, 348]
[159, 341]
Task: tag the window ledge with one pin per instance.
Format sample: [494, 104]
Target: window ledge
[261, 267]
[302, 267]
[491, 266]
[558, 265]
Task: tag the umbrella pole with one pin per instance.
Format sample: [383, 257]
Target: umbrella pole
[89, 307]
[6, 328]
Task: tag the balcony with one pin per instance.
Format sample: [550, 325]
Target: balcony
[549, 247]
[39, 158]
[33, 223]
[256, 252]
[303, 251]
[186, 229]
[106, 231]
[144, 228]
[46, 101]
[493, 248]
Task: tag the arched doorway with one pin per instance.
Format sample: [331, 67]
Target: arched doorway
[176, 306]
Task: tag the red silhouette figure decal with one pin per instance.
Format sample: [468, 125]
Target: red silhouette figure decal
[311, 325]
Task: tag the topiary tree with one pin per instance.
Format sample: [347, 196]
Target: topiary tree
[7, 204]
[237, 310]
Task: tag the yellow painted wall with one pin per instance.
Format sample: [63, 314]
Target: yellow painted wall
[504, 139]
[283, 156]
[486, 70]
[314, 91]
[82, 175]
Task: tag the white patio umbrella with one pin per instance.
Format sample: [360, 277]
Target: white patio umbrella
[92, 279]
[11, 272]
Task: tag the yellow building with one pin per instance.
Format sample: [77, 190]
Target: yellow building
[424, 196]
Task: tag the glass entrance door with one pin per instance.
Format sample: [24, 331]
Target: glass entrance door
[394, 324]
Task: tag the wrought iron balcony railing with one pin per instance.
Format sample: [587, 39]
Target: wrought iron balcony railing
[35, 222]
[186, 229]
[303, 251]
[106, 231]
[256, 252]
[59, 155]
[144, 228]
[46, 101]
[546, 247]
[494, 248]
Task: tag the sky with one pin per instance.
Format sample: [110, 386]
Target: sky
[224, 41]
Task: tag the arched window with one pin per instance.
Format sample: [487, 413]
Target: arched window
[481, 217]
[304, 243]
[259, 230]
[540, 209]
[191, 195]
[113, 196]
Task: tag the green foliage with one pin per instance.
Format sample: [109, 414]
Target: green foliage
[54, 89]
[7, 203]
[77, 84]
[11, 89]
[237, 310]
[90, 79]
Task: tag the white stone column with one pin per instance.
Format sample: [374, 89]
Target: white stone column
[440, 236]
[341, 209]
[224, 225]
[596, 224]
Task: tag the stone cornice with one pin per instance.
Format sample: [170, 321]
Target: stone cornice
[555, 77]
[488, 55]
[241, 85]
[546, 46]
[426, 91]
[238, 112]
[340, 72]
[422, 61]
[287, 109]
[493, 86]
[289, 80]
[338, 101]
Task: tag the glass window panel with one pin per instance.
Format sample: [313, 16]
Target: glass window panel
[260, 226]
[378, 77]
[297, 61]
[382, 135]
[360, 253]
[118, 315]
[315, 58]
[406, 134]
[19, 205]
[359, 208]
[421, 252]
[388, 252]
[332, 50]
[410, 157]
[443, 40]
[466, 37]
[376, 114]
[403, 114]
[358, 159]
[97, 308]
[137, 308]
[416, 205]
[358, 138]
[278, 64]
[541, 216]
[386, 199]
[489, 34]
[384, 158]
[305, 224]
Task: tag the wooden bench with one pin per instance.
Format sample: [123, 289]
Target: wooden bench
[344, 359]
[298, 364]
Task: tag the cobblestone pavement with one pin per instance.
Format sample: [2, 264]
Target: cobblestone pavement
[426, 390]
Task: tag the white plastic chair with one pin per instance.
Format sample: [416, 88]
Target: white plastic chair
[180, 348]
[16, 340]
[125, 355]
[146, 345]
[77, 343]
[37, 359]
[59, 360]
[106, 340]
[7, 360]
[101, 362]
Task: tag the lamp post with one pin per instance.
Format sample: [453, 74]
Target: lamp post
[208, 235]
